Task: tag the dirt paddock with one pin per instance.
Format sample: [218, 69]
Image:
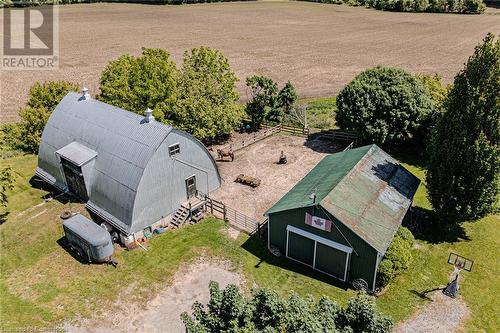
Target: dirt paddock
[260, 160]
[318, 47]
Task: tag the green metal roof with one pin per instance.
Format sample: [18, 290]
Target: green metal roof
[364, 188]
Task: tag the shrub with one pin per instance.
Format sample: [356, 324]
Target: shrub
[463, 175]
[435, 88]
[397, 258]
[42, 100]
[384, 105]
[266, 311]
[207, 104]
[361, 315]
[6, 184]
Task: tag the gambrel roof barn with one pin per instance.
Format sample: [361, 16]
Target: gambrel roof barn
[129, 169]
[342, 216]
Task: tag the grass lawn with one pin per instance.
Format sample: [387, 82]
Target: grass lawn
[42, 285]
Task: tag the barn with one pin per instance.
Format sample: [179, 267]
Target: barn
[342, 216]
[130, 170]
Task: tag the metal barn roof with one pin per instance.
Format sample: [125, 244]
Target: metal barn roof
[124, 142]
[363, 188]
[77, 153]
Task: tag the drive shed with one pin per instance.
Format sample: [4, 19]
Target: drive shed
[131, 170]
[342, 216]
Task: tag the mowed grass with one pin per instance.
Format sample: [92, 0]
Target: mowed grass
[42, 285]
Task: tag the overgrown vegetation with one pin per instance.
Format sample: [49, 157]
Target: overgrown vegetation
[464, 164]
[385, 105]
[398, 257]
[200, 98]
[433, 6]
[229, 310]
[267, 102]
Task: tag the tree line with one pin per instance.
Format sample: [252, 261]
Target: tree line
[431, 6]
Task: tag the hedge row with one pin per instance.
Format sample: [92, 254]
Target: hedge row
[397, 258]
[434, 6]
[29, 3]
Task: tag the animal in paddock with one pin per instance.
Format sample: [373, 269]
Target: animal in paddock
[282, 159]
[222, 153]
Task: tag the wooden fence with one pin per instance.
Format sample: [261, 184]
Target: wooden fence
[339, 135]
[235, 218]
[257, 136]
[288, 129]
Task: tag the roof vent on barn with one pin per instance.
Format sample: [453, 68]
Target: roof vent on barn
[85, 94]
[149, 116]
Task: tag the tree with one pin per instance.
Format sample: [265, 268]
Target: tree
[207, 104]
[463, 175]
[42, 100]
[287, 97]
[384, 105]
[267, 102]
[266, 311]
[138, 83]
[6, 184]
[264, 99]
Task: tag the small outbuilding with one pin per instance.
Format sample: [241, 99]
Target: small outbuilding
[342, 216]
[131, 170]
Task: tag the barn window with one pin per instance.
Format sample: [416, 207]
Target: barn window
[174, 149]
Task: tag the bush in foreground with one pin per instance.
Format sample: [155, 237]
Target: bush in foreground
[463, 175]
[266, 311]
[384, 105]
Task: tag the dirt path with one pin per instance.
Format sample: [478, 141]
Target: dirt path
[318, 47]
[260, 160]
[443, 315]
[162, 314]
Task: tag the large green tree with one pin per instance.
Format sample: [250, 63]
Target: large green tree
[267, 101]
[42, 100]
[384, 105]
[463, 177]
[138, 83]
[207, 104]
[266, 311]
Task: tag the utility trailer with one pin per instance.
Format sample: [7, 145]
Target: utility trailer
[89, 241]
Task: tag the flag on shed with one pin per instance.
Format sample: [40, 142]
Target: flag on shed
[318, 222]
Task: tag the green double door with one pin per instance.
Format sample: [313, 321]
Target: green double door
[321, 257]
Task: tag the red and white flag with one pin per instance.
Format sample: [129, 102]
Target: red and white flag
[318, 222]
